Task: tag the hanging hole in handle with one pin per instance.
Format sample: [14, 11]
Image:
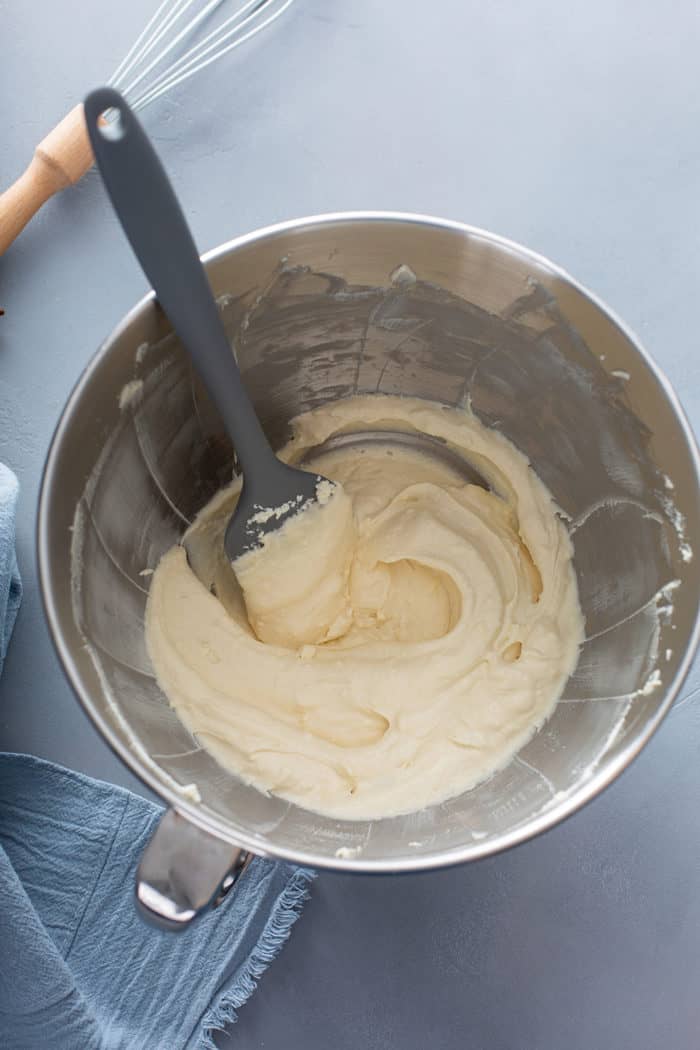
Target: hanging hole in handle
[110, 124]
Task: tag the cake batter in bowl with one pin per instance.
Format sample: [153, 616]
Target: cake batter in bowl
[354, 306]
[452, 627]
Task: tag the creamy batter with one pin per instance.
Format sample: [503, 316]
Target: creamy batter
[399, 644]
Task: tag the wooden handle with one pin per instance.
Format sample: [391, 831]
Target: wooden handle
[59, 160]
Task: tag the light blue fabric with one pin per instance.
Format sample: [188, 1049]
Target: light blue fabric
[79, 970]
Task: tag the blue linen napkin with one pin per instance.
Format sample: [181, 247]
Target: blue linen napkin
[79, 970]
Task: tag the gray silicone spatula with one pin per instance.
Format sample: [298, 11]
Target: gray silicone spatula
[153, 221]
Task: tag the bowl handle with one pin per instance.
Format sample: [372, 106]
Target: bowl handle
[183, 871]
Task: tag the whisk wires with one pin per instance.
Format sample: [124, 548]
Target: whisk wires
[176, 21]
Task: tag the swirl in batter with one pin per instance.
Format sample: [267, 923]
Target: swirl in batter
[399, 644]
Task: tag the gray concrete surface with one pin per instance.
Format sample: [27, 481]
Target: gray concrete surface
[571, 127]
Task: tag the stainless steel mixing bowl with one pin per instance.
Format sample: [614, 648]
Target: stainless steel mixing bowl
[320, 309]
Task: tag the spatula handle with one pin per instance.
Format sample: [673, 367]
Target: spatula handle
[158, 233]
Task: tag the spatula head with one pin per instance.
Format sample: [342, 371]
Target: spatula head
[267, 502]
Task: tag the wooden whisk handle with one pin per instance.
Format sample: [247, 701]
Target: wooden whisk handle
[59, 160]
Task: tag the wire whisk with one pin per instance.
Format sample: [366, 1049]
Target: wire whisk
[176, 43]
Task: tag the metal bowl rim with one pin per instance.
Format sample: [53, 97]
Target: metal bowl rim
[252, 842]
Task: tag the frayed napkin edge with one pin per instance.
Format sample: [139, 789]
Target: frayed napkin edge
[224, 1011]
